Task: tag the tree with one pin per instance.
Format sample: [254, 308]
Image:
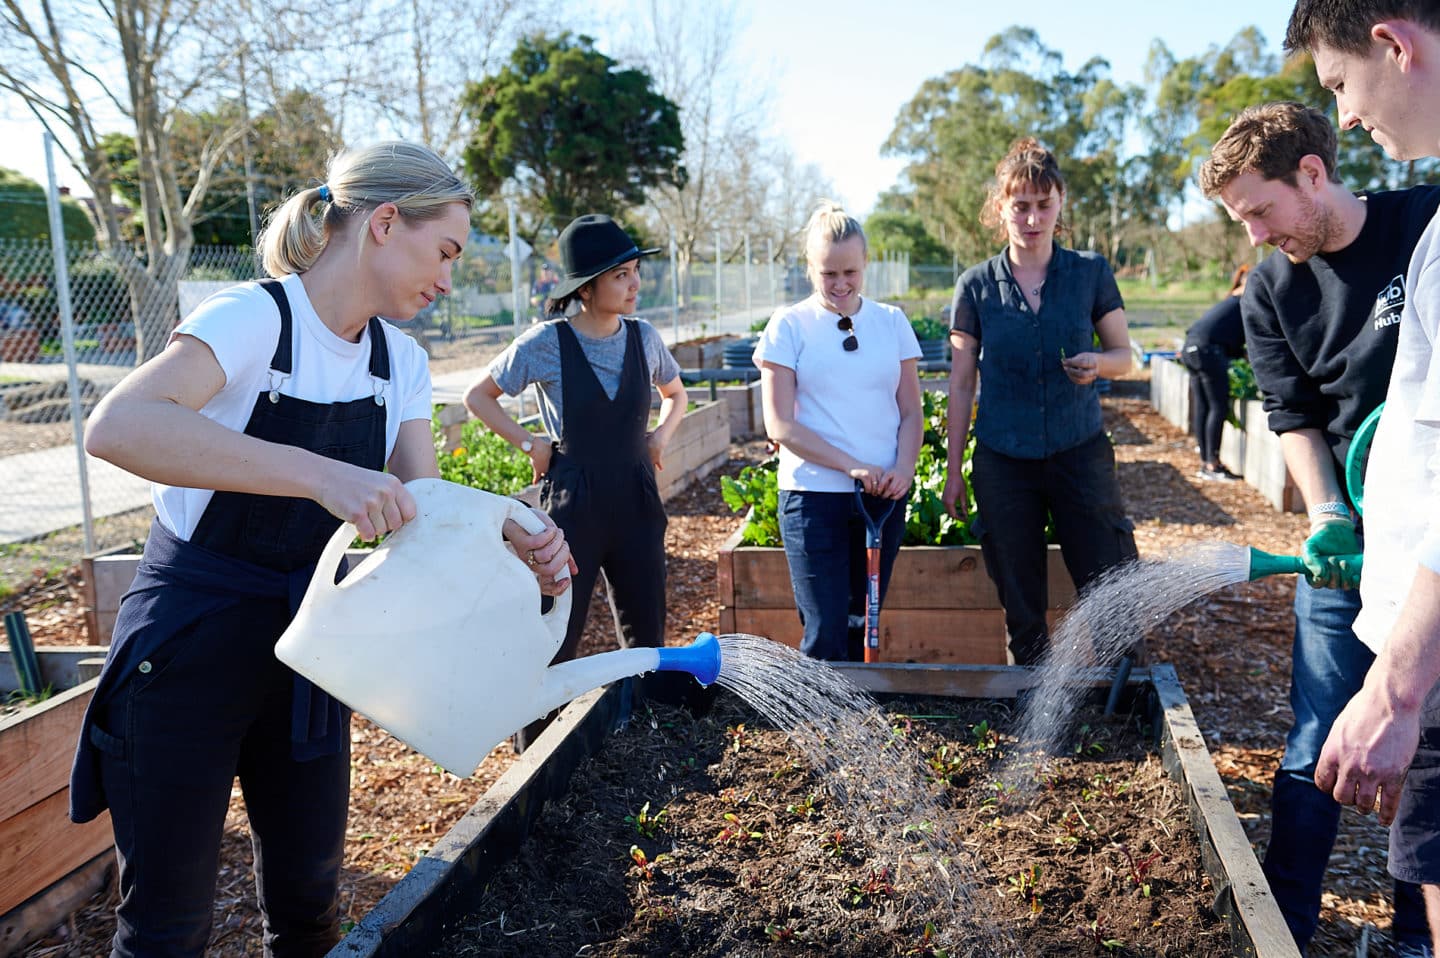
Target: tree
[958, 126]
[574, 133]
[293, 138]
[166, 52]
[25, 213]
[894, 232]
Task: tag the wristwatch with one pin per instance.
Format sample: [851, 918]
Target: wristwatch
[526, 446]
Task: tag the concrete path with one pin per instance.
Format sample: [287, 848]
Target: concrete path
[42, 489]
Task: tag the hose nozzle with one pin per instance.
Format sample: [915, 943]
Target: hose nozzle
[1264, 563]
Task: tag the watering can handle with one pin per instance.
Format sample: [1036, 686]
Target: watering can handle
[557, 620]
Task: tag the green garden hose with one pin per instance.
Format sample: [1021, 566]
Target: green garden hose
[1355, 458]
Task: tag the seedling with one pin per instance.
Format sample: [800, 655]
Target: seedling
[1025, 885]
[735, 832]
[1099, 936]
[876, 885]
[1101, 786]
[779, 933]
[944, 764]
[738, 736]
[926, 946]
[646, 824]
[644, 865]
[1075, 826]
[1087, 746]
[985, 738]
[803, 809]
[1140, 868]
[1003, 791]
[924, 828]
[834, 843]
[789, 768]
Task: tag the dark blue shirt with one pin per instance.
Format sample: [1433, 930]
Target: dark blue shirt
[1028, 407]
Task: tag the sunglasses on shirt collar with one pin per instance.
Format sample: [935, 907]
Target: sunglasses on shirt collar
[846, 325]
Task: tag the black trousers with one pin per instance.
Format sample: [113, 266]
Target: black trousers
[614, 522]
[1076, 488]
[1209, 396]
[212, 703]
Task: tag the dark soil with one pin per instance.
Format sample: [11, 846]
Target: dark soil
[742, 852]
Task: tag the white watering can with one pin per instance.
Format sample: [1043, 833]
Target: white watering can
[437, 635]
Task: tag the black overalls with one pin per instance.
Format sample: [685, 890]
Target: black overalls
[601, 492]
[192, 695]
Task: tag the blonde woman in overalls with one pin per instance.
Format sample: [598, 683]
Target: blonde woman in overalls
[264, 424]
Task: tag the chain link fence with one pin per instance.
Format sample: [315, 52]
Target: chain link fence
[60, 503]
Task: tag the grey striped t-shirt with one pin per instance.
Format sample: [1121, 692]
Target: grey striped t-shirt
[535, 358]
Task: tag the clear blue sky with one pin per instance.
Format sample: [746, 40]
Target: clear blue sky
[841, 69]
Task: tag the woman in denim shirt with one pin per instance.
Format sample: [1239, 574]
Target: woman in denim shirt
[1026, 321]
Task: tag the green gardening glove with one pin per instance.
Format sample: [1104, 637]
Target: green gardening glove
[1332, 555]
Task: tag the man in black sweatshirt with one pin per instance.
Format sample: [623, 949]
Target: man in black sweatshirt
[1321, 320]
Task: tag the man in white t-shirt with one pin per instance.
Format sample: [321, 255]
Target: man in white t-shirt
[1381, 59]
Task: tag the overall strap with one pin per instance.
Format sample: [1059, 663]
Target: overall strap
[379, 350]
[282, 361]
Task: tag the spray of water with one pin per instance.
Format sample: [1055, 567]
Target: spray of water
[875, 779]
[1111, 617]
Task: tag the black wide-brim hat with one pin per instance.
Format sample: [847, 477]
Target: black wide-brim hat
[591, 245]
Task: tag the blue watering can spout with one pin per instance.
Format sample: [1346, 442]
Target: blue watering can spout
[700, 658]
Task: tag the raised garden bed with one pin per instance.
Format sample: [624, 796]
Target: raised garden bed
[48, 866]
[1249, 449]
[941, 606]
[775, 879]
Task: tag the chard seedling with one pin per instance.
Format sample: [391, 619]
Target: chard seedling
[945, 765]
[738, 737]
[834, 843]
[985, 738]
[779, 933]
[644, 865]
[645, 823]
[1140, 868]
[735, 831]
[1025, 885]
[803, 809]
[876, 885]
[1098, 935]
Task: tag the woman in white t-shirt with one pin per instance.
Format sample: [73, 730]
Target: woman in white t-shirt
[269, 419]
[839, 376]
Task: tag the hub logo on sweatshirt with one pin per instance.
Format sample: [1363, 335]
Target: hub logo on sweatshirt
[1390, 303]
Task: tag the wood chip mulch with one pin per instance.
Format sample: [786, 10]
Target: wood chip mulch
[1231, 650]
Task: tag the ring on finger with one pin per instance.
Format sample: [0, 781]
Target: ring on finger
[531, 558]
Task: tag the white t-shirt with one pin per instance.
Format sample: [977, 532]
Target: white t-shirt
[241, 325]
[1402, 480]
[846, 398]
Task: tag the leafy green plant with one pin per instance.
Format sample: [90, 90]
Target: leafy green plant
[644, 865]
[645, 823]
[875, 886]
[928, 327]
[483, 460]
[1099, 936]
[805, 809]
[1026, 885]
[736, 832]
[755, 491]
[1242, 380]
[1140, 868]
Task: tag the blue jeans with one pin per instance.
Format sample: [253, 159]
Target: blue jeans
[1328, 667]
[825, 547]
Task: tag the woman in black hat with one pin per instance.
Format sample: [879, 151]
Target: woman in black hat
[593, 366]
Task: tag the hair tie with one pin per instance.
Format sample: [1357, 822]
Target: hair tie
[324, 193]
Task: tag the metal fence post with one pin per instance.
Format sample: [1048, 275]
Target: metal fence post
[67, 333]
[748, 307]
[718, 287]
[674, 290]
[770, 270]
